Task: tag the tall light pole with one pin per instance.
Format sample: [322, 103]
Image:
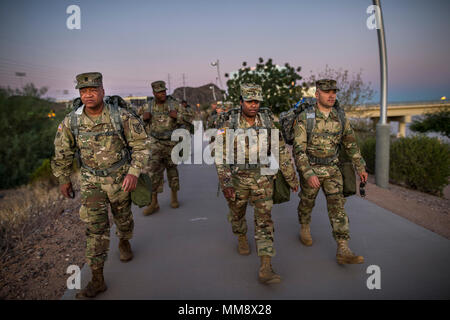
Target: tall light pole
[214, 92]
[216, 64]
[383, 128]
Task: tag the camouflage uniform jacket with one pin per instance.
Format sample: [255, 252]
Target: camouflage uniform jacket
[324, 141]
[102, 151]
[161, 124]
[208, 114]
[214, 120]
[224, 170]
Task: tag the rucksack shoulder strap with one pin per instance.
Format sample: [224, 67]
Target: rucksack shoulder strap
[235, 115]
[266, 117]
[172, 102]
[116, 119]
[75, 121]
[342, 118]
[310, 121]
[151, 105]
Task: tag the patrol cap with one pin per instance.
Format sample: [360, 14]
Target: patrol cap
[326, 84]
[89, 79]
[159, 86]
[250, 91]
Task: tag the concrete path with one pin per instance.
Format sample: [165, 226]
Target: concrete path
[190, 253]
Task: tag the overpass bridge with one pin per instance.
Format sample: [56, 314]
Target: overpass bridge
[398, 112]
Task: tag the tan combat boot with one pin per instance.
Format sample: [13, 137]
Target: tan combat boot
[153, 207]
[243, 247]
[174, 201]
[344, 255]
[95, 286]
[305, 235]
[266, 274]
[125, 250]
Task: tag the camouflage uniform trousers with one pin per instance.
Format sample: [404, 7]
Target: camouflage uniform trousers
[95, 197]
[160, 159]
[330, 179]
[250, 185]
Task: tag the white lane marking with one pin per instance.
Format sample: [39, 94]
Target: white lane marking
[198, 219]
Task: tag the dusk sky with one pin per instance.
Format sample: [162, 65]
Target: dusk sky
[136, 42]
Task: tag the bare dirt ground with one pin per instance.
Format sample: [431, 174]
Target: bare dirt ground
[428, 211]
[36, 268]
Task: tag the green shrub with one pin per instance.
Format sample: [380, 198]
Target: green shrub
[363, 129]
[368, 147]
[421, 163]
[26, 137]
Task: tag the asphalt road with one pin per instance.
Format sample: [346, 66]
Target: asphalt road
[190, 253]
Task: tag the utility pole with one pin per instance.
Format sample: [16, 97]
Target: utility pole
[184, 88]
[214, 92]
[168, 83]
[216, 64]
[383, 128]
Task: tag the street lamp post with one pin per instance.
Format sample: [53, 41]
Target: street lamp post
[383, 128]
[214, 92]
[216, 64]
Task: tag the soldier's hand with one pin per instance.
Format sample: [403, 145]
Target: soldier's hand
[66, 190]
[173, 114]
[314, 182]
[129, 183]
[229, 193]
[295, 189]
[147, 116]
[363, 176]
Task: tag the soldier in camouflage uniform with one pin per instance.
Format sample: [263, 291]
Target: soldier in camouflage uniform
[317, 163]
[107, 176]
[242, 183]
[162, 115]
[188, 109]
[185, 105]
[212, 120]
[227, 105]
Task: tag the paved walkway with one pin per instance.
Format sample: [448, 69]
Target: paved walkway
[190, 253]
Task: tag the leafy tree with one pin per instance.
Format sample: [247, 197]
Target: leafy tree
[352, 89]
[26, 134]
[279, 84]
[28, 90]
[433, 122]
